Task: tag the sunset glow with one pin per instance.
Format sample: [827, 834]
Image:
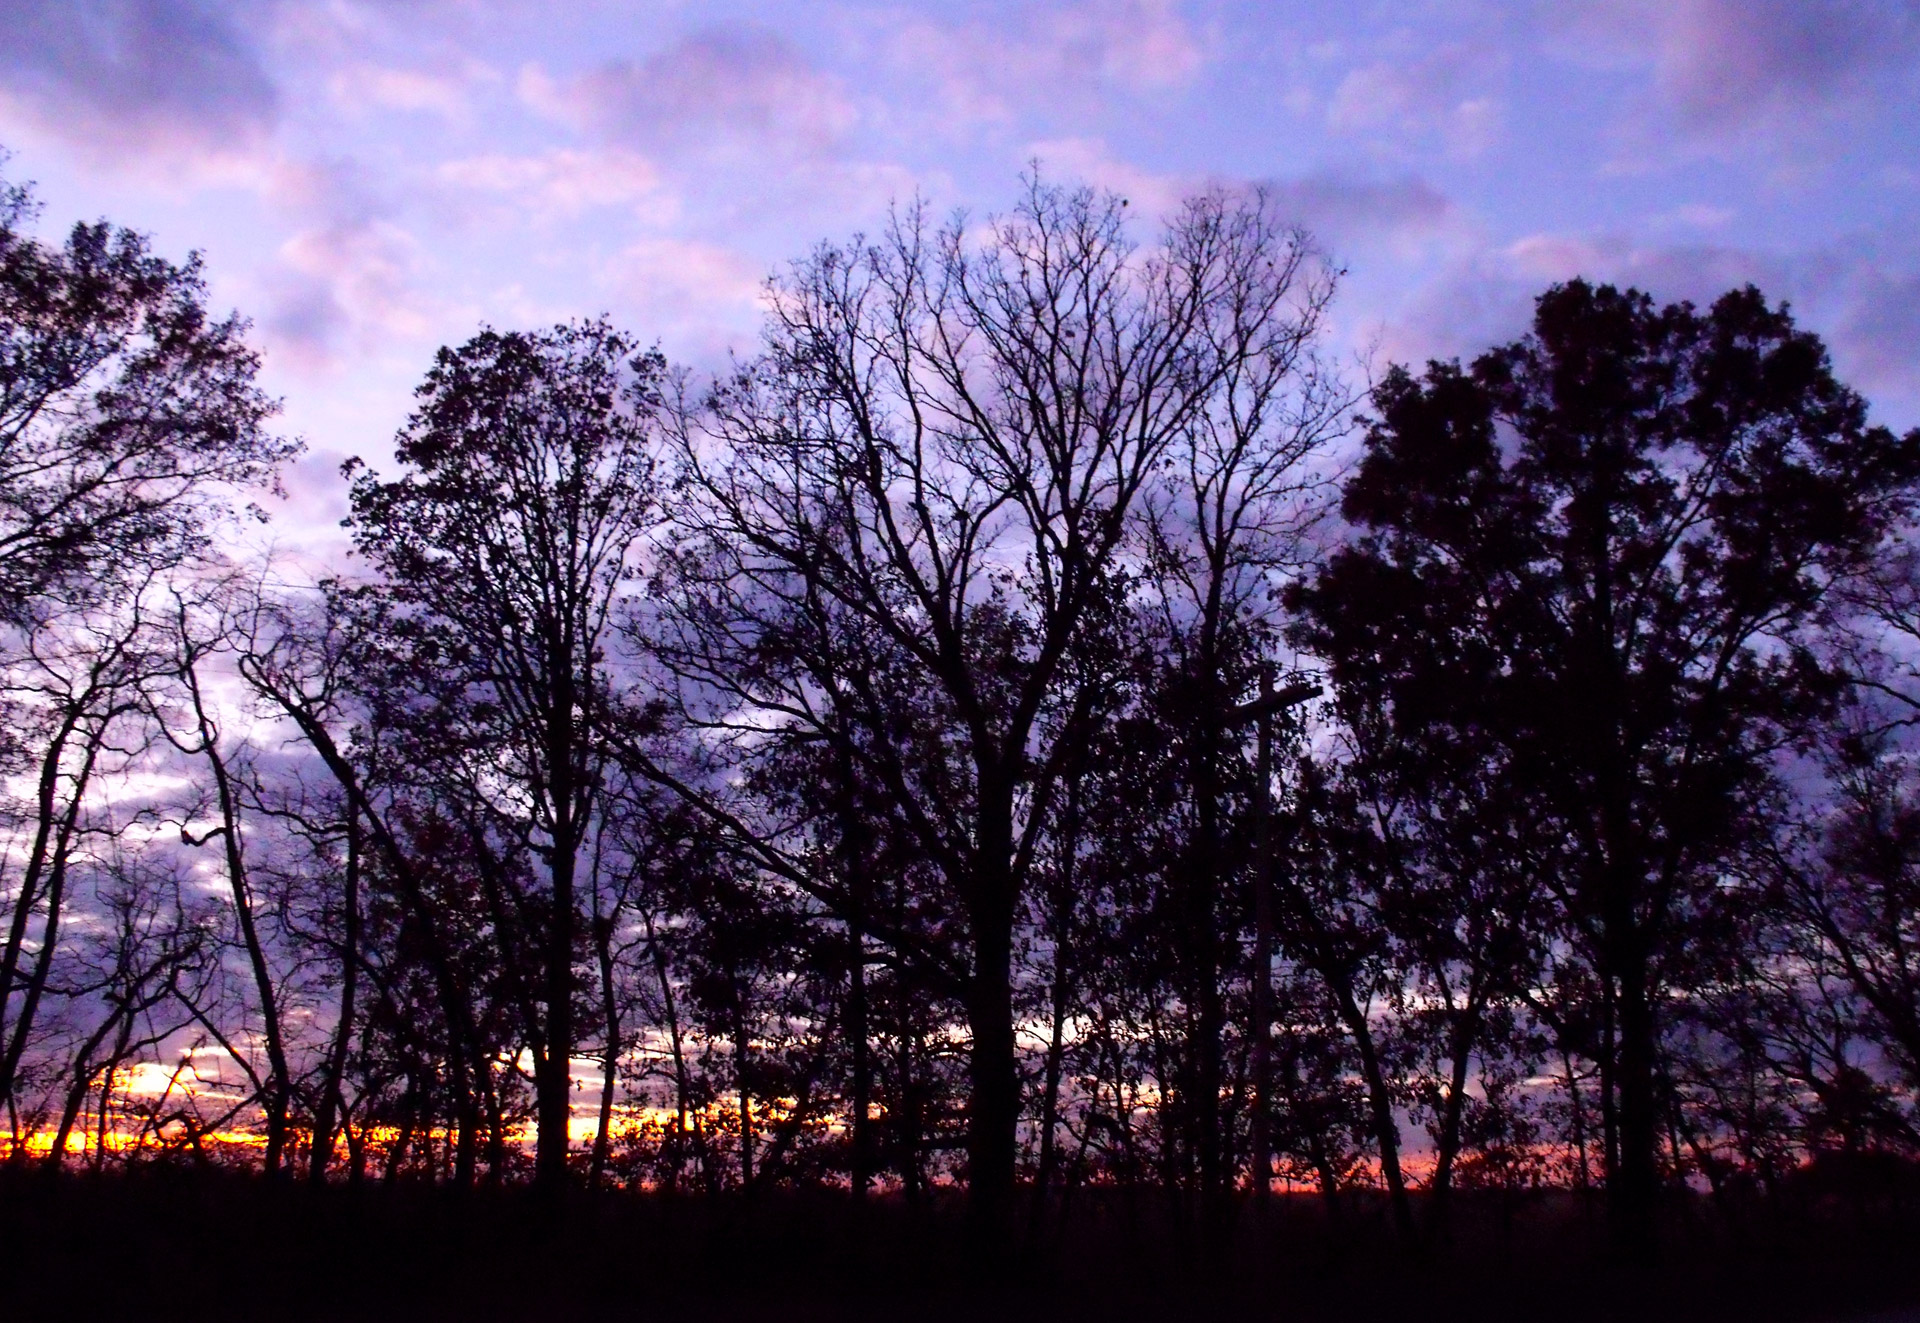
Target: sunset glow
[917, 659]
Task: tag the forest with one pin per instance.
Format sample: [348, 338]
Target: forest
[1041, 732]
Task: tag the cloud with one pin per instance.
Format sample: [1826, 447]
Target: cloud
[1861, 293]
[1875, 336]
[1732, 61]
[698, 297]
[1131, 43]
[750, 134]
[724, 89]
[351, 283]
[1040, 56]
[348, 279]
[1722, 66]
[565, 182]
[1343, 211]
[1486, 297]
[1091, 161]
[125, 78]
[1436, 98]
[359, 87]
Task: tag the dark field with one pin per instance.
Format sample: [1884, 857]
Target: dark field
[197, 1245]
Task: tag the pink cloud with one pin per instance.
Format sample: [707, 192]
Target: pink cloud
[1486, 296]
[1135, 43]
[1043, 55]
[565, 182]
[1341, 211]
[700, 298]
[349, 284]
[1730, 61]
[724, 88]
[1345, 212]
[123, 79]
[361, 86]
[1091, 161]
[1862, 294]
[1876, 335]
[1724, 67]
[1439, 96]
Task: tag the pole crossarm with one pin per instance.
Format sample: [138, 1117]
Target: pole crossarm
[1277, 701]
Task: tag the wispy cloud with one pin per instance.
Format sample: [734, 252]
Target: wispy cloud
[362, 86]
[994, 68]
[564, 182]
[1443, 97]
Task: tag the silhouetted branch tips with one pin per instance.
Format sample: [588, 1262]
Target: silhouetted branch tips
[1029, 738]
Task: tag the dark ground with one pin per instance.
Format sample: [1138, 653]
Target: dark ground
[164, 1244]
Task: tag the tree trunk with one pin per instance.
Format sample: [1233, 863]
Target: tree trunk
[994, 1104]
[1636, 1189]
[906, 1121]
[1452, 1111]
[463, 1035]
[1056, 1058]
[1060, 995]
[854, 846]
[610, 1058]
[1386, 1127]
[84, 1070]
[1209, 1021]
[740, 1078]
[553, 1070]
[467, 1120]
[403, 1140]
[1262, 1000]
[28, 896]
[280, 1078]
[860, 1167]
[52, 858]
[496, 1121]
[332, 1087]
[682, 1086]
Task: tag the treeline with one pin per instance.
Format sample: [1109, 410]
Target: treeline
[1031, 725]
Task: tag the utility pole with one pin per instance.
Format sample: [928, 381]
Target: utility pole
[1263, 709]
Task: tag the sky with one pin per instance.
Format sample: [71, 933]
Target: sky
[370, 179]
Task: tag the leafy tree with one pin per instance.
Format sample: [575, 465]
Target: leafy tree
[1602, 553]
[503, 549]
[127, 411]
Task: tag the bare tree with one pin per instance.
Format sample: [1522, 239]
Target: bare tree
[931, 474]
[1227, 518]
[74, 693]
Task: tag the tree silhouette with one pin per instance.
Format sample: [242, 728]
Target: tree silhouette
[1603, 551]
[504, 546]
[939, 458]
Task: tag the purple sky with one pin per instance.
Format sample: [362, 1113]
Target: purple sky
[371, 178]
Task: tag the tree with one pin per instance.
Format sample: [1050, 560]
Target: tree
[186, 718]
[127, 417]
[503, 549]
[324, 663]
[74, 693]
[1230, 513]
[929, 477]
[127, 412]
[1855, 895]
[1602, 554]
